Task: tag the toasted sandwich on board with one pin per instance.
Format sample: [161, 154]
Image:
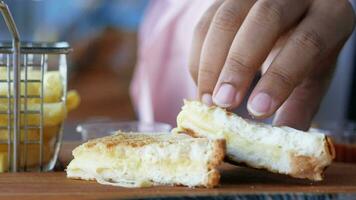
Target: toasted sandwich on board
[145, 159]
[278, 149]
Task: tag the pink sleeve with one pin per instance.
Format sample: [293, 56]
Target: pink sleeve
[161, 80]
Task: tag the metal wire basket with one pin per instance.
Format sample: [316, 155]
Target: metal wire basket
[28, 141]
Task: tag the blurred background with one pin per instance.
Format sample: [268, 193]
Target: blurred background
[103, 35]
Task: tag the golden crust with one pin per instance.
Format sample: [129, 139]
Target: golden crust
[219, 147]
[329, 146]
[213, 179]
[131, 139]
[306, 167]
[218, 157]
[190, 132]
[219, 152]
[310, 167]
[122, 139]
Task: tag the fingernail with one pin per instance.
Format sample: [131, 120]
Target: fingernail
[207, 99]
[260, 104]
[225, 95]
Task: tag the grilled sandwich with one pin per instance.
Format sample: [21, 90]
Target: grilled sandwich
[146, 159]
[278, 149]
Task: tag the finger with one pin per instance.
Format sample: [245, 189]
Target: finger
[300, 107]
[223, 28]
[199, 36]
[278, 46]
[311, 42]
[266, 21]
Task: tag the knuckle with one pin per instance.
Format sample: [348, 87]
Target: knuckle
[206, 73]
[207, 79]
[283, 78]
[269, 13]
[310, 40]
[202, 26]
[239, 65]
[227, 18]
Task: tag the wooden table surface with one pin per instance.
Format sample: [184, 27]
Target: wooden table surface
[339, 178]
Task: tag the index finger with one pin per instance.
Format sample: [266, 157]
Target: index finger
[265, 23]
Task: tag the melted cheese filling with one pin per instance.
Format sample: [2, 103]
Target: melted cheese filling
[254, 143]
[145, 166]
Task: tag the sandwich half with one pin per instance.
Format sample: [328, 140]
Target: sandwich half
[144, 159]
[278, 149]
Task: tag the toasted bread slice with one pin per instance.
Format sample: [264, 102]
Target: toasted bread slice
[143, 159]
[278, 149]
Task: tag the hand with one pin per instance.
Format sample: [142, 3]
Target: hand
[295, 42]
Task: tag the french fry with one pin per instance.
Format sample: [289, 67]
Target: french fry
[49, 132]
[54, 114]
[73, 100]
[32, 155]
[52, 86]
[3, 162]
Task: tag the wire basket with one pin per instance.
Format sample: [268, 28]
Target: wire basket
[33, 87]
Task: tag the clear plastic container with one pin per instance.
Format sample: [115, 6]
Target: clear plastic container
[99, 129]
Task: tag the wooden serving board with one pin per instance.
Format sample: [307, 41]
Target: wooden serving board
[340, 178]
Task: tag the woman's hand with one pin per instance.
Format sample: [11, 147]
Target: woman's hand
[296, 42]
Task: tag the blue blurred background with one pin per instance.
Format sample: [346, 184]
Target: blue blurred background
[103, 35]
[52, 20]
